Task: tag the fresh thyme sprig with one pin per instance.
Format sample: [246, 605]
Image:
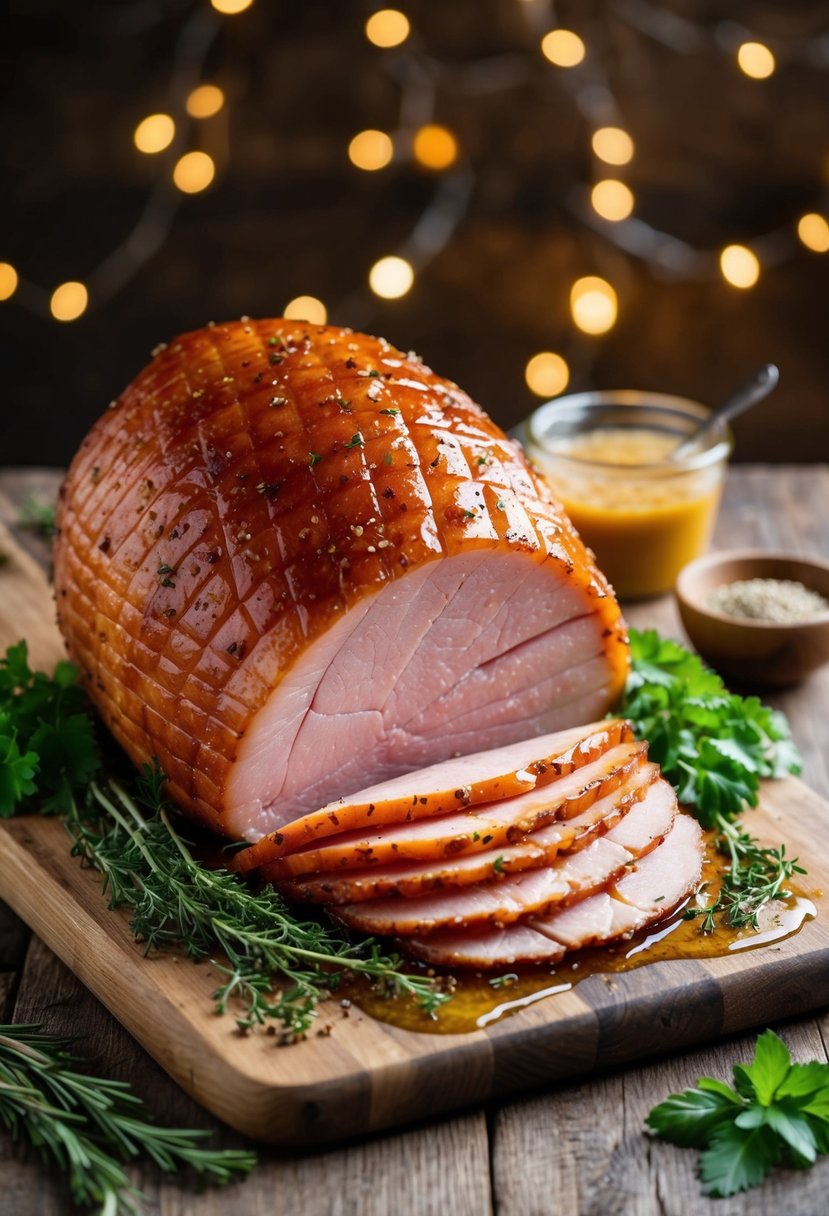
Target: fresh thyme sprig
[756, 875]
[275, 964]
[89, 1127]
[714, 747]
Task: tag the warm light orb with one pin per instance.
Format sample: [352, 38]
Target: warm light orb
[205, 101]
[194, 172]
[564, 48]
[370, 150]
[229, 8]
[740, 266]
[154, 133]
[391, 277]
[388, 27]
[756, 60]
[306, 308]
[69, 301]
[8, 280]
[813, 231]
[612, 200]
[613, 145]
[435, 147]
[547, 374]
[593, 305]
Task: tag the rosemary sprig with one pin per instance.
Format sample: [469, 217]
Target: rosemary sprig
[276, 964]
[89, 1127]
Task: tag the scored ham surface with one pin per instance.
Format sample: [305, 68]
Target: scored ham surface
[292, 561]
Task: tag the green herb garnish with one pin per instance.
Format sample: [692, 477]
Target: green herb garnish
[274, 964]
[356, 441]
[90, 1127]
[47, 738]
[777, 1112]
[39, 516]
[714, 748]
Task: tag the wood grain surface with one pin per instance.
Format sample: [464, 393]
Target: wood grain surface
[574, 1149]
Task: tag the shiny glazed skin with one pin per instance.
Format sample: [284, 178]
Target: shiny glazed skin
[251, 485]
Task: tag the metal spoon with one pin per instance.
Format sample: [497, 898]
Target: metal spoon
[754, 390]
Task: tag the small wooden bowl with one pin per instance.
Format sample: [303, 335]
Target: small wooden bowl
[754, 652]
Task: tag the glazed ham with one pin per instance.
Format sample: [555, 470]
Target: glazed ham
[292, 562]
[655, 887]
[593, 852]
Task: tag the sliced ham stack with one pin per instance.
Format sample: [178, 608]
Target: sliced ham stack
[570, 840]
[291, 561]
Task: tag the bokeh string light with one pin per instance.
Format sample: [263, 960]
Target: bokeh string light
[606, 204]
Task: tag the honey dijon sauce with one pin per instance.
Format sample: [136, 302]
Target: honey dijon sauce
[481, 998]
[644, 517]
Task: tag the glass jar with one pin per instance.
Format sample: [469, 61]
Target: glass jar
[606, 457]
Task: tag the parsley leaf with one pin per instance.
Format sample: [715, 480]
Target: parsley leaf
[738, 1159]
[714, 748]
[777, 1111]
[47, 738]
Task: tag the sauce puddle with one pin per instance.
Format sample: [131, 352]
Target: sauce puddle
[481, 998]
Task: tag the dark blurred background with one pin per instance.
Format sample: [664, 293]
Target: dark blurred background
[486, 195]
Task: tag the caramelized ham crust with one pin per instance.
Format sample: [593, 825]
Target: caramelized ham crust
[292, 561]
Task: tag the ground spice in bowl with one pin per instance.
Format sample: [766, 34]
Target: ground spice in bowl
[777, 600]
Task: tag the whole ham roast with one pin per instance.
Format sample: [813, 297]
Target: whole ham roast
[292, 562]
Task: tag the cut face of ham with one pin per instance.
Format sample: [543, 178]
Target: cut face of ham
[658, 883]
[465, 781]
[292, 561]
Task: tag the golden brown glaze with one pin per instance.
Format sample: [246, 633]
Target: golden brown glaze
[256, 480]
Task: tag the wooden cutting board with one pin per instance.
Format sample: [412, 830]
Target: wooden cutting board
[367, 1074]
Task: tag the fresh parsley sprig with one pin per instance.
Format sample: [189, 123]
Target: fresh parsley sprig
[777, 1112]
[712, 745]
[47, 737]
[715, 748]
[90, 1127]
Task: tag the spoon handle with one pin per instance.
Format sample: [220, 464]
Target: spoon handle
[752, 391]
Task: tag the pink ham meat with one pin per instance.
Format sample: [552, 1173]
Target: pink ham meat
[502, 900]
[477, 829]
[292, 561]
[657, 885]
[539, 848]
[464, 781]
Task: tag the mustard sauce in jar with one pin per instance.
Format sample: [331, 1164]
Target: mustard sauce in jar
[606, 456]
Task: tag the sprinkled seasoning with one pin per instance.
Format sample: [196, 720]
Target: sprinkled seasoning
[777, 600]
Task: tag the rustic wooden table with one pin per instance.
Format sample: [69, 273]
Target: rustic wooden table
[574, 1151]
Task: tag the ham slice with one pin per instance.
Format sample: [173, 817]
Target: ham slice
[482, 827]
[501, 900]
[464, 781]
[292, 562]
[656, 886]
[539, 848]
